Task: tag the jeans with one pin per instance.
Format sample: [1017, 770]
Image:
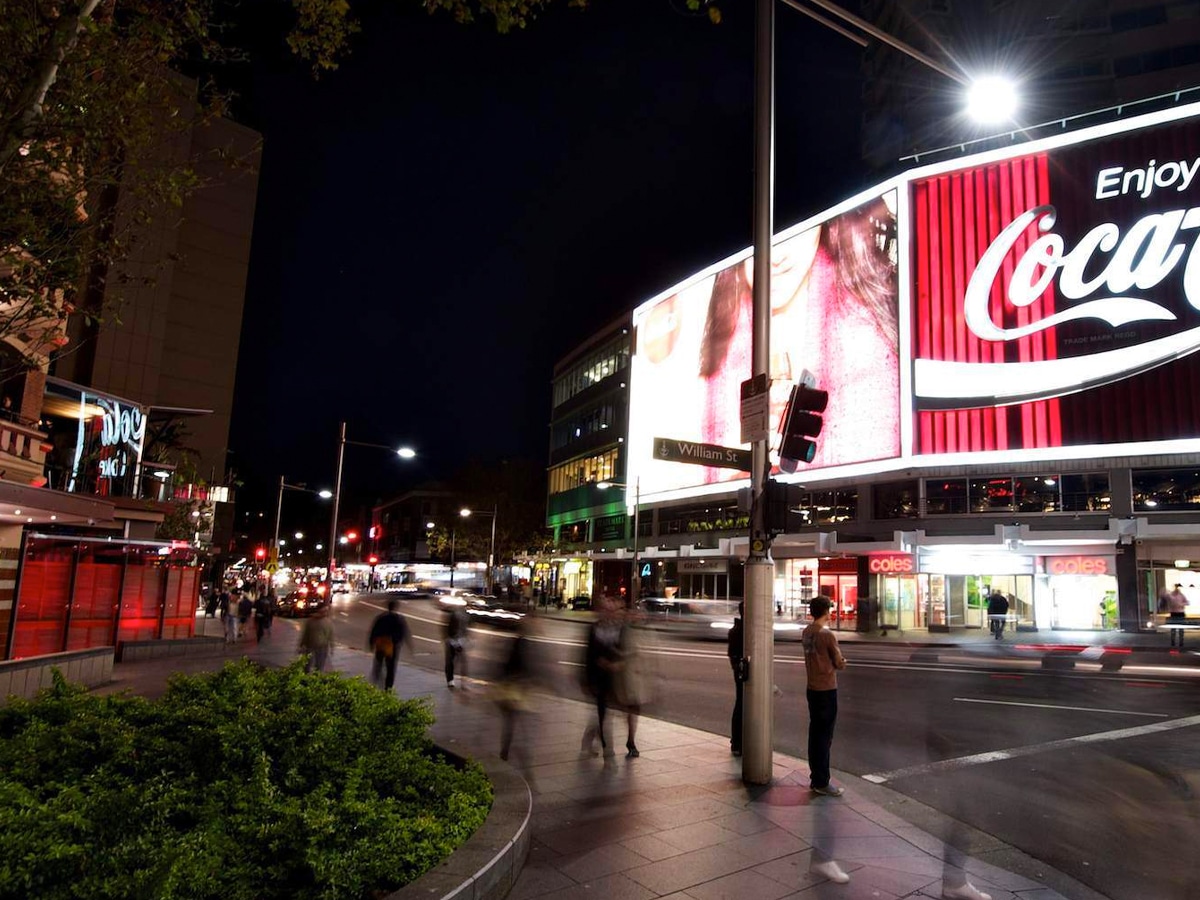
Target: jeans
[822, 714]
[996, 623]
[453, 655]
[1176, 619]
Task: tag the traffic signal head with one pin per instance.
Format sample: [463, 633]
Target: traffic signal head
[260, 553]
[802, 423]
[373, 560]
[352, 536]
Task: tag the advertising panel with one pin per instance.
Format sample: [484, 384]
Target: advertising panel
[834, 319]
[1056, 296]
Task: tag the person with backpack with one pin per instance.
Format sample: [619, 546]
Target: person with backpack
[388, 632]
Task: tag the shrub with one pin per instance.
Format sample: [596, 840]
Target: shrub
[245, 784]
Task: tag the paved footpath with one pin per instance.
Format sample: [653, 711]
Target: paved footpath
[678, 822]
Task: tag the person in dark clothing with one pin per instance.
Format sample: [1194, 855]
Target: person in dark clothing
[388, 632]
[263, 611]
[455, 643]
[737, 655]
[511, 689]
[601, 663]
[244, 609]
[223, 604]
[997, 607]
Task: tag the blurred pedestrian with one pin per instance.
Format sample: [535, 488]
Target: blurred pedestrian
[262, 617]
[737, 661]
[210, 603]
[633, 681]
[1176, 603]
[602, 660]
[454, 642]
[223, 603]
[512, 688]
[229, 620]
[997, 608]
[388, 632]
[316, 639]
[822, 659]
[244, 608]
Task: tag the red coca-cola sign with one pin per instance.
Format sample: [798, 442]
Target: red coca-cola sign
[891, 564]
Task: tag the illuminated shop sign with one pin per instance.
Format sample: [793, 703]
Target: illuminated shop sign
[1079, 565]
[110, 437]
[891, 564]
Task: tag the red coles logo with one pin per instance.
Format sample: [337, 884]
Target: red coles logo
[1077, 565]
[891, 564]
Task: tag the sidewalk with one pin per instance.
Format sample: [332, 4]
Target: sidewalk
[678, 822]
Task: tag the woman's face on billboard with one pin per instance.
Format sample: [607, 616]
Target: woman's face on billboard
[791, 261]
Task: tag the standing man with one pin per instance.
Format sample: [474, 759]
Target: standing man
[388, 632]
[1177, 603]
[997, 608]
[456, 643]
[737, 656]
[822, 659]
[244, 609]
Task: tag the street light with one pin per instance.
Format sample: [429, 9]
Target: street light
[402, 452]
[284, 486]
[637, 509]
[465, 513]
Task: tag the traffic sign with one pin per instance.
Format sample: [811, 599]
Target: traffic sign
[272, 568]
[756, 408]
[672, 450]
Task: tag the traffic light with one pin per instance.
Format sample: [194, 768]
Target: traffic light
[352, 536]
[801, 423]
[260, 553]
[373, 560]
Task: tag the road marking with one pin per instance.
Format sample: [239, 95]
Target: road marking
[1119, 712]
[975, 759]
[567, 662]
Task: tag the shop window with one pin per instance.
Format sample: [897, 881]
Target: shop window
[898, 500]
[1161, 490]
[946, 497]
[1086, 493]
[1037, 494]
[991, 495]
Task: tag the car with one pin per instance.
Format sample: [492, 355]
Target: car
[304, 601]
[340, 586]
[582, 601]
[494, 614]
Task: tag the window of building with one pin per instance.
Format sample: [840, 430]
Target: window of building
[946, 496]
[897, 500]
[1162, 490]
[590, 469]
[1086, 493]
[1045, 493]
[592, 369]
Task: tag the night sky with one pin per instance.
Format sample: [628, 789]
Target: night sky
[454, 210]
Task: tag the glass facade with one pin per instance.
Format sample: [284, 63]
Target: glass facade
[1007, 494]
[592, 369]
[1165, 490]
[601, 467]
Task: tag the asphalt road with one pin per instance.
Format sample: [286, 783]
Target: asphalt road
[1097, 774]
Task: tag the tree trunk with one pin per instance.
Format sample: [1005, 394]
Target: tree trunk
[18, 124]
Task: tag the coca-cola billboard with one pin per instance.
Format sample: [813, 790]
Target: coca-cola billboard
[1056, 295]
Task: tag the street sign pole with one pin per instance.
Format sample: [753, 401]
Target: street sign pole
[758, 739]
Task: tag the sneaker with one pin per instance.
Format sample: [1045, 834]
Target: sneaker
[828, 790]
[965, 891]
[830, 871]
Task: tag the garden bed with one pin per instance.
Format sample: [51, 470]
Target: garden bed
[245, 784]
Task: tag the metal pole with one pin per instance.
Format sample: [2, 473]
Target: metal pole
[337, 499]
[491, 578]
[637, 566]
[451, 557]
[758, 722]
[278, 513]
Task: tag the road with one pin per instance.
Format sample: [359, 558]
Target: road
[1094, 773]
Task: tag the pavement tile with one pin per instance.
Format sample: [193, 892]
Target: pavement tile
[599, 862]
[682, 813]
[651, 847]
[758, 848]
[740, 885]
[892, 881]
[676, 793]
[613, 887]
[997, 893]
[695, 836]
[1043, 893]
[866, 848]
[1010, 881]
[827, 890]
[746, 822]
[791, 870]
[535, 881]
[915, 865]
[587, 836]
[684, 871]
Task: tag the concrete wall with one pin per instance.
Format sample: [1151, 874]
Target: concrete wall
[25, 677]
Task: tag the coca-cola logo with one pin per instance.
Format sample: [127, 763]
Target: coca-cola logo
[1101, 276]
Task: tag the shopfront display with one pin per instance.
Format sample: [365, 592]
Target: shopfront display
[1075, 592]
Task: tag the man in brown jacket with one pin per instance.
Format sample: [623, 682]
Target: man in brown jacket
[822, 659]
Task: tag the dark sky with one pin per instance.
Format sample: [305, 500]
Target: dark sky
[454, 210]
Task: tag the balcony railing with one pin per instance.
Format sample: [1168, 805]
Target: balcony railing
[22, 453]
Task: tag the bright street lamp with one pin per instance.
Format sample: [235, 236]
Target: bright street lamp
[464, 512]
[992, 100]
[299, 535]
[402, 452]
[284, 486]
[637, 509]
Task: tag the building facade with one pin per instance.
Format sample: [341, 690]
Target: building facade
[1008, 344]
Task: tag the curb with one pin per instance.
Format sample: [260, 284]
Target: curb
[489, 863]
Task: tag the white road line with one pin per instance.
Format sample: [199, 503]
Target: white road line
[975, 759]
[1118, 712]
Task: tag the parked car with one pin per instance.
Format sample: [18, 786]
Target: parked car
[582, 601]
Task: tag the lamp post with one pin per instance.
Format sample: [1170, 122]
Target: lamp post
[465, 513]
[429, 526]
[284, 486]
[637, 511]
[402, 452]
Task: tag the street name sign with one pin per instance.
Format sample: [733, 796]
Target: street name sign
[756, 395]
[672, 450]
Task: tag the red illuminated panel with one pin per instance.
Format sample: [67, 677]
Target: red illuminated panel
[957, 216]
[42, 606]
[180, 616]
[1079, 565]
[94, 610]
[140, 604]
[891, 564]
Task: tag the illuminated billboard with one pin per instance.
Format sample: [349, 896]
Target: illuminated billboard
[1040, 302]
[834, 321]
[1056, 296]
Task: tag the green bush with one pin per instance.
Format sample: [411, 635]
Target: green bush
[246, 784]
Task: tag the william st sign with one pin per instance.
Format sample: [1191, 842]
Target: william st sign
[671, 450]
